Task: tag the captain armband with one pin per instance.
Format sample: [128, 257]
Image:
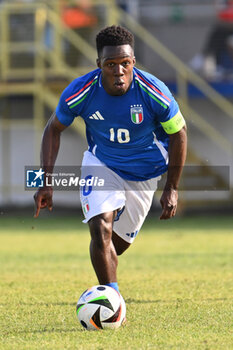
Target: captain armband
[175, 124]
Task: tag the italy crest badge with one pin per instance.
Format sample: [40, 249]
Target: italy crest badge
[136, 112]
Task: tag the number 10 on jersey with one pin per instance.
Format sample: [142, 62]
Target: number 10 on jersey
[119, 135]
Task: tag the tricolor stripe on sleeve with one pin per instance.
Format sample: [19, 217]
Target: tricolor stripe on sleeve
[153, 92]
[79, 96]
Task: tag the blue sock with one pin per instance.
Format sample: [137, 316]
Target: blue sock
[113, 285]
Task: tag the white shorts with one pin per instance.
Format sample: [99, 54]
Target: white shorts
[132, 198]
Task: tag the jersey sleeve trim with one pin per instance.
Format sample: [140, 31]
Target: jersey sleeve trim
[155, 90]
[78, 97]
[63, 117]
[153, 95]
[175, 124]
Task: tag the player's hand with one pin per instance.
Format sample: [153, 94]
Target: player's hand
[43, 198]
[168, 202]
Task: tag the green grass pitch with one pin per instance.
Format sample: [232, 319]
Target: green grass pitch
[177, 281]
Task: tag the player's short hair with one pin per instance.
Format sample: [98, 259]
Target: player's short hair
[113, 36]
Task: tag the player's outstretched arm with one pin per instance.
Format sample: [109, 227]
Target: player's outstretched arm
[177, 156]
[49, 150]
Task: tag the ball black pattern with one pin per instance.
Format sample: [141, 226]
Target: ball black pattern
[101, 288]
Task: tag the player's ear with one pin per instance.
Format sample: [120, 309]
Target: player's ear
[134, 60]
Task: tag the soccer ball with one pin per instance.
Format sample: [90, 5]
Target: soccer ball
[101, 307]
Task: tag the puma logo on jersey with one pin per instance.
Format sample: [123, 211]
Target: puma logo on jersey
[96, 116]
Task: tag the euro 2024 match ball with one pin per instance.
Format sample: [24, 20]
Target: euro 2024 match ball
[101, 307]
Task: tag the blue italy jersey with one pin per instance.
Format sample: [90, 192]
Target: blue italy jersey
[128, 133]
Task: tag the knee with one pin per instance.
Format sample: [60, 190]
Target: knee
[121, 250]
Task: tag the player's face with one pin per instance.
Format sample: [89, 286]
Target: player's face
[116, 63]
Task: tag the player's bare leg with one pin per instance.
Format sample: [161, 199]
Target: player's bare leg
[104, 247]
[103, 254]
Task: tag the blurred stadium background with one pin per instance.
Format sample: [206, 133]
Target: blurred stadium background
[46, 44]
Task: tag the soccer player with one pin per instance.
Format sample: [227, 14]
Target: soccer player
[135, 132]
